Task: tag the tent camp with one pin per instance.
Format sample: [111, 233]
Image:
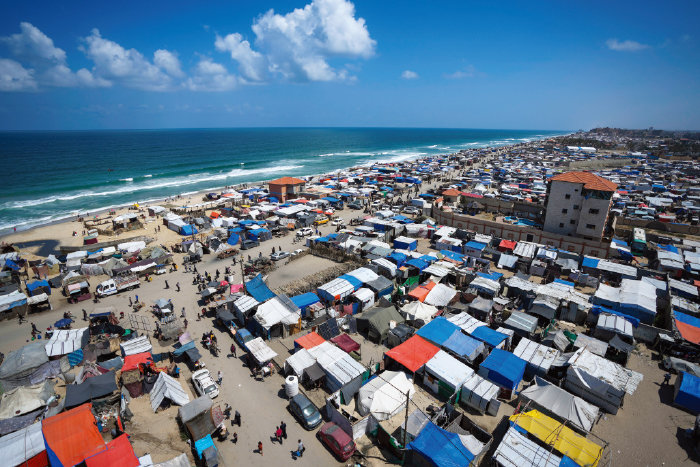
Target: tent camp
[413, 353]
[92, 388]
[385, 395]
[686, 392]
[414, 311]
[167, 387]
[438, 447]
[480, 394]
[377, 322]
[72, 436]
[556, 402]
[503, 368]
[444, 375]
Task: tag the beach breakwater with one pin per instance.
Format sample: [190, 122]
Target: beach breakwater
[50, 176]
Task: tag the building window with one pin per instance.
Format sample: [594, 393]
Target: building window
[590, 226]
[561, 224]
[567, 196]
[529, 238]
[575, 207]
[564, 211]
[572, 222]
[594, 211]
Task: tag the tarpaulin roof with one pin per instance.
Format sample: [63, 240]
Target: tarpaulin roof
[440, 295]
[354, 281]
[448, 369]
[346, 343]
[137, 345]
[336, 289]
[312, 339]
[23, 360]
[488, 335]
[305, 299]
[413, 353]
[258, 289]
[452, 255]
[22, 445]
[422, 291]
[132, 362]
[25, 399]
[516, 450]
[63, 342]
[463, 345]
[562, 404]
[385, 395]
[503, 368]
[507, 244]
[118, 453]
[688, 326]
[563, 439]
[299, 361]
[442, 448]
[72, 436]
[260, 350]
[92, 388]
[167, 386]
[418, 310]
[688, 392]
[438, 330]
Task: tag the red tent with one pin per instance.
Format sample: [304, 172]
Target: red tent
[72, 436]
[413, 354]
[132, 362]
[310, 340]
[346, 343]
[506, 245]
[119, 453]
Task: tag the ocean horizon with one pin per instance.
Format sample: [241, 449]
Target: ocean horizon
[53, 175]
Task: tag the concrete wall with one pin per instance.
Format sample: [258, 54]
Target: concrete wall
[556, 220]
[520, 233]
[598, 220]
[660, 226]
[647, 334]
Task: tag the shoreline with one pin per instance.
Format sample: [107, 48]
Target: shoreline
[158, 200]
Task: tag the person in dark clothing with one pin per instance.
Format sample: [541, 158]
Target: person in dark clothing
[233, 350]
[667, 378]
[283, 427]
[178, 286]
[85, 316]
[236, 418]
[167, 286]
[34, 329]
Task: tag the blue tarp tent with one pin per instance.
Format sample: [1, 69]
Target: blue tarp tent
[356, 283]
[590, 262]
[488, 335]
[12, 265]
[403, 243]
[258, 289]
[562, 281]
[687, 392]
[428, 259]
[438, 330]
[494, 276]
[398, 258]
[32, 286]
[503, 368]
[183, 348]
[202, 444]
[597, 309]
[233, 239]
[417, 263]
[440, 447]
[188, 229]
[259, 234]
[464, 346]
[475, 245]
[306, 299]
[452, 255]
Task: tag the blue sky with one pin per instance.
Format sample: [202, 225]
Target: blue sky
[531, 65]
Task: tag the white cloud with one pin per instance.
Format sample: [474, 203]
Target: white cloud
[251, 64]
[14, 77]
[625, 46]
[408, 74]
[128, 67]
[168, 61]
[33, 45]
[466, 72]
[211, 76]
[298, 45]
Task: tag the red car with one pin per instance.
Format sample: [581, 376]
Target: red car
[337, 440]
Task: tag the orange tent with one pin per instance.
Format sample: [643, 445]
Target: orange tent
[214, 215]
[132, 362]
[72, 436]
[310, 340]
[414, 353]
[119, 453]
[420, 292]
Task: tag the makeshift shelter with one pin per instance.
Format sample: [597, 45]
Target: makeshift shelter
[337, 289]
[422, 291]
[257, 289]
[385, 395]
[346, 343]
[522, 323]
[563, 439]
[504, 369]
[480, 394]
[198, 417]
[25, 399]
[440, 295]
[600, 381]
[27, 365]
[137, 345]
[92, 388]
[413, 353]
[305, 300]
[298, 362]
[260, 350]
[686, 392]
[118, 453]
[275, 316]
[167, 387]
[437, 447]
[24, 447]
[539, 357]
[63, 342]
[309, 340]
[688, 326]
[377, 322]
[634, 298]
[438, 330]
[72, 436]
[414, 311]
[556, 402]
[339, 367]
[517, 450]
[444, 375]
[380, 286]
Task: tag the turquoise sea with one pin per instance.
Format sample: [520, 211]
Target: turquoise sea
[51, 175]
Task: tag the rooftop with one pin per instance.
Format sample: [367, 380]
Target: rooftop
[287, 181]
[589, 180]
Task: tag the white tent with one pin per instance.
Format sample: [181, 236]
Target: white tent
[466, 322]
[480, 394]
[447, 369]
[539, 357]
[561, 404]
[385, 395]
[337, 289]
[385, 264]
[418, 310]
[65, 341]
[275, 311]
[365, 296]
[440, 295]
[260, 350]
[167, 386]
[22, 445]
[298, 362]
[363, 275]
[517, 450]
[134, 346]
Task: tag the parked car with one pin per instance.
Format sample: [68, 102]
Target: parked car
[355, 206]
[248, 244]
[338, 222]
[305, 411]
[321, 220]
[243, 336]
[204, 384]
[305, 231]
[337, 441]
[279, 255]
[411, 210]
[297, 252]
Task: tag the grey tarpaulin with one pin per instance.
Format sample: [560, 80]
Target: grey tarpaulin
[196, 416]
[350, 389]
[21, 363]
[91, 388]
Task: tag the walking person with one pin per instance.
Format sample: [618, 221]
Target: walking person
[130, 302]
[236, 418]
[85, 317]
[667, 379]
[220, 377]
[283, 427]
[278, 435]
[185, 323]
[233, 350]
[260, 447]
[300, 449]
[167, 286]
[177, 284]
[227, 411]
[183, 312]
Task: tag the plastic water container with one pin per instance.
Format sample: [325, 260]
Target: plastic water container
[291, 386]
